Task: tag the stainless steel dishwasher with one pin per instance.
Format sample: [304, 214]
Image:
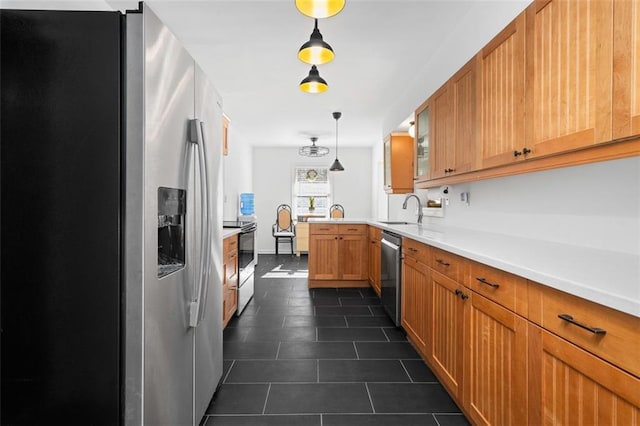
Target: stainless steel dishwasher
[391, 291]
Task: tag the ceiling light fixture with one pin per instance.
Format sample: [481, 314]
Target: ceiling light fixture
[313, 150]
[316, 50]
[313, 83]
[336, 166]
[320, 8]
[412, 129]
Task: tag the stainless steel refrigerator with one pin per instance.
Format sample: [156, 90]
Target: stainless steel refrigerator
[111, 294]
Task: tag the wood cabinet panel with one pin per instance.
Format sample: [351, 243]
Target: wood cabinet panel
[446, 331]
[354, 262]
[230, 278]
[398, 163]
[502, 95]
[502, 287]
[496, 365]
[465, 123]
[416, 250]
[375, 258]
[415, 293]
[571, 386]
[302, 237]
[323, 256]
[441, 151]
[447, 263]
[626, 69]
[620, 342]
[569, 73]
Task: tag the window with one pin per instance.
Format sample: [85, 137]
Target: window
[311, 183]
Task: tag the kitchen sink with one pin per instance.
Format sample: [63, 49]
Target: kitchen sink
[394, 222]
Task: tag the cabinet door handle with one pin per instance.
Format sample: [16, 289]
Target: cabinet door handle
[526, 151]
[484, 281]
[412, 249]
[461, 294]
[442, 262]
[568, 318]
[517, 153]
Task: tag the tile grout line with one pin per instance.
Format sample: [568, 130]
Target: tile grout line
[356, 349]
[224, 380]
[406, 371]
[373, 409]
[264, 407]
[278, 350]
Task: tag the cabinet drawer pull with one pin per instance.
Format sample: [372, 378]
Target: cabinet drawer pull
[412, 249]
[569, 318]
[325, 229]
[484, 281]
[352, 229]
[461, 294]
[442, 262]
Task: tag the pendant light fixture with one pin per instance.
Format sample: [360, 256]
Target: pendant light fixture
[336, 166]
[320, 8]
[313, 83]
[316, 51]
[313, 150]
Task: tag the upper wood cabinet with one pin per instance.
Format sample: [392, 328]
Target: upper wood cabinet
[569, 75]
[626, 69]
[225, 135]
[422, 142]
[501, 86]
[465, 124]
[442, 150]
[398, 163]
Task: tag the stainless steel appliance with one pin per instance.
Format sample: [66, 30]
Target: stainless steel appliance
[110, 224]
[247, 260]
[391, 291]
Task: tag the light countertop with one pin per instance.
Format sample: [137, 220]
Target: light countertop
[228, 232]
[606, 277]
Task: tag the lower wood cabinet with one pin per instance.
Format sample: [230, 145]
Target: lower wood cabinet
[230, 278]
[449, 302]
[375, 258]
[495, 389]
[570, 386]
[338, 255]
[513, 352]
[415, 293]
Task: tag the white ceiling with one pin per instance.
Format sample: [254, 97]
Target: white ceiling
[390, 56]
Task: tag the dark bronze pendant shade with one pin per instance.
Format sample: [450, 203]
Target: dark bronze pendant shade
[313, 83]
[316, 51]
[336, 166]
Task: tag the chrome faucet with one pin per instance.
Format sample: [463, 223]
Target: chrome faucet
[404, 205]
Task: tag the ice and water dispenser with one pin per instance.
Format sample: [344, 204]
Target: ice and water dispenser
[172, 208]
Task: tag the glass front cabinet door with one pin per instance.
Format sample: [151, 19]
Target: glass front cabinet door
[422, 142]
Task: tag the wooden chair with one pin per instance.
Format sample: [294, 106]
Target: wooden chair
[284, 227]
[336, 211]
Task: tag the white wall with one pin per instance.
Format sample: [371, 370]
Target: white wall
[595, 205]
[273, 180]
[238, 173]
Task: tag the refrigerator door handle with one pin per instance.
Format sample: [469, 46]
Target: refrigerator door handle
[195, 305]
[205, 287]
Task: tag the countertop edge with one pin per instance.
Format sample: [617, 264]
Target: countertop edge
[543, 262]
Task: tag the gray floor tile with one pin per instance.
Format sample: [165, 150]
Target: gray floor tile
[343, 310]
[318, 398]
[317, 350]
[265, 320]
[265, 420]
[394, 334]
[369, 322]
[314, 321]
[389, 350]
[419, 371]
[451, 420]
[351, 334]
[250, 350]
[280, 334]
[411, 398]
[362, 371]
[378, 420]
[239, 399]
[273, 371]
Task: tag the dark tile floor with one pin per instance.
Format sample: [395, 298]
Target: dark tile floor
[321, 357]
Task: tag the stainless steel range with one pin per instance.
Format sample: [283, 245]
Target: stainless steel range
[247, 259]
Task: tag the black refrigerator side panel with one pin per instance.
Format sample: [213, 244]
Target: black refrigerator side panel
[60, 183]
